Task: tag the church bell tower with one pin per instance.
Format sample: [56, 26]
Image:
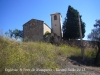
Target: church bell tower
[56, 24]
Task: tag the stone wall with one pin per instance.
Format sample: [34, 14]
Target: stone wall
[33, 29]
[86, 43]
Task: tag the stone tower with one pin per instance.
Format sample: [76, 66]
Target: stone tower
[56, 24]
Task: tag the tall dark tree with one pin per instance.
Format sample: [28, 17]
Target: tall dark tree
[71, 25]
[95, 36]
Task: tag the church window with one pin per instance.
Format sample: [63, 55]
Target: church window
[55, 17]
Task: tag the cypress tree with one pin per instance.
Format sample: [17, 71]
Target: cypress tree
[71, 25]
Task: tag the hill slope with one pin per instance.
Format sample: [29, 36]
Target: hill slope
[33, 58]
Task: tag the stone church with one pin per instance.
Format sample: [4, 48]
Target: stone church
[35, 29]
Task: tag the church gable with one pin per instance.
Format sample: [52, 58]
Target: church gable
[33, 22]
[33, 29]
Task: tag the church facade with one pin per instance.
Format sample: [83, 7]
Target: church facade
[35, 29]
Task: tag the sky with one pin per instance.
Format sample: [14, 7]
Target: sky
[15, 13]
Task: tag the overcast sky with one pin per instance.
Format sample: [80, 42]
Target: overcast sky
[14, 13]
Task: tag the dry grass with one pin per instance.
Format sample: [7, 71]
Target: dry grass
[29, 55]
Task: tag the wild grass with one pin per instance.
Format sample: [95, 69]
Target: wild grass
[30, 55]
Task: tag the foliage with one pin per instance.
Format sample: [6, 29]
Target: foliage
[71, 25]
[95, 33]
[95, 36]
[52, 39]
[15, 33]
[30, 55]
[46, 34]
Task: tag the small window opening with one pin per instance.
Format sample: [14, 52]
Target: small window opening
[55, 17]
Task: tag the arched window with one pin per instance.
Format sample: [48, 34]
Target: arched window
[55, 17]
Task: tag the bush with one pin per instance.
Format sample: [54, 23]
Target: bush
[34, 55]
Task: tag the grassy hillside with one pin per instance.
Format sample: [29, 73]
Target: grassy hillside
[17, 55]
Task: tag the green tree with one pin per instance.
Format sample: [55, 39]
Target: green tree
[15, 33]
[95, 36]
[10, 33]
[46, 34]
[6, 33]
[71, 25]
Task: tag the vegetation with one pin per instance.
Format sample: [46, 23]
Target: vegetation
[95, 36]
[30, 55]
[47, 33]
[71, 25]
[14, 33]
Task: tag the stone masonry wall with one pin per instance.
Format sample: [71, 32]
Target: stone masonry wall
[86, 43]
[33, 30]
